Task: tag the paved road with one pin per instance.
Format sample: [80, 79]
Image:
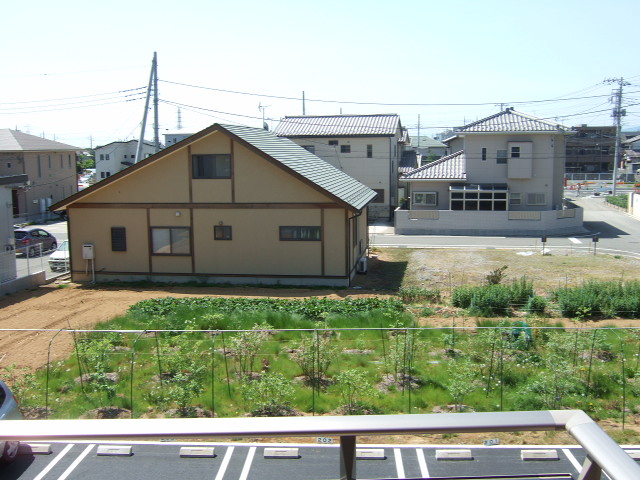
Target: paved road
[249, 461]
[618, 234]
[26, 265]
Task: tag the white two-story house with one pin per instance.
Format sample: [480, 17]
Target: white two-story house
[116, 156]
[505, 176]
[365, 147]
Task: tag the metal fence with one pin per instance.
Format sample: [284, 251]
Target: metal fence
[408, 370]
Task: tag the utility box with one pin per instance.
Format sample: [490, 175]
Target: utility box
[87, 251]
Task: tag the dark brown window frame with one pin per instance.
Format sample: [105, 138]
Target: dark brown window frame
[118, 239]
[198, 168]
[298, 232]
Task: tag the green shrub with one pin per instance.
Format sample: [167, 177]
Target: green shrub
[600, 299]
[536, 305]
[621, 201]
[269, 396]
[419, 294]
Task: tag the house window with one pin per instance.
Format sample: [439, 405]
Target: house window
[300, 233]
[8, 164]
[345, 148]
[333, 142]
[379, 198]
[428, 199]
[484, 154]
[107, 156]
[515, 152]
[118, 239]
[101, 156]
[69, 160]
[133, 156]
[222, 232]
[49, 159]
[369, 151]
[536, 199]
[39, 166]
[211, 166]
[485, 197]
[515, 199]
[501, 156]
[170, 241]
[309, 148]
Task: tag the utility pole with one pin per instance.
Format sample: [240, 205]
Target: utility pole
[618, 113]
[146, 108]
[304, 110]
[156, 127]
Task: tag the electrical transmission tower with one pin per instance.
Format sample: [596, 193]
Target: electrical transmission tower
[617, 114]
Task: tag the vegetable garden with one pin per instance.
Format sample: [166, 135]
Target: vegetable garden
[238, 356]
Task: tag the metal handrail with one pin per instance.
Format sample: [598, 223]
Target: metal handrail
[603, 454]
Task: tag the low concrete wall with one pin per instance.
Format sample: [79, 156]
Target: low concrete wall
[450, 222]
[634, 205]
[23, 283]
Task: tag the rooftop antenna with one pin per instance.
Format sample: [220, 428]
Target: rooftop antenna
[179, 119]
[262, 108]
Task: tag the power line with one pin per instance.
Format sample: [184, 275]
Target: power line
[522, 102]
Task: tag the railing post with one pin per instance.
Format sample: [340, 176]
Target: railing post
[348, 457]
[590, 470]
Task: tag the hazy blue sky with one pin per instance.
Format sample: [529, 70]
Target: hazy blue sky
[76, 70]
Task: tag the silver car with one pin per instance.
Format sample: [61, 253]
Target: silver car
[9, 410]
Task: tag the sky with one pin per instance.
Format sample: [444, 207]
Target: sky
[77, 71]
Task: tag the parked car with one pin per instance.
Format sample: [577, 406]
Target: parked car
[33, 241]
[9, 410]
[59, 259]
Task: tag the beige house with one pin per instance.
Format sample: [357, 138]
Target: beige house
[50, 166]
[229, 204]
[504, 177]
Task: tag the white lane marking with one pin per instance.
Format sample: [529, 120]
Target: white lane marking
[574, 240]
[247, 464]
[572, 459]
[422, 462]
[76, 462]
[225, 463]
[399, 465]
[54, 462]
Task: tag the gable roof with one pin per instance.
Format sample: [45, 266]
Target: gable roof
[280, 151]
[511, 121]
[17, 141]
[339, 126]
[451, 167]
[426, 142]
[125, 142]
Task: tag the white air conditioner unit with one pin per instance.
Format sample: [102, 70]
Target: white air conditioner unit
[361, 266]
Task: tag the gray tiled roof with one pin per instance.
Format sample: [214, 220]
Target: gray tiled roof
[511, 121]
[16, 141]
[425, 142]
[306, 164]
[451, 167]
[338, 125]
